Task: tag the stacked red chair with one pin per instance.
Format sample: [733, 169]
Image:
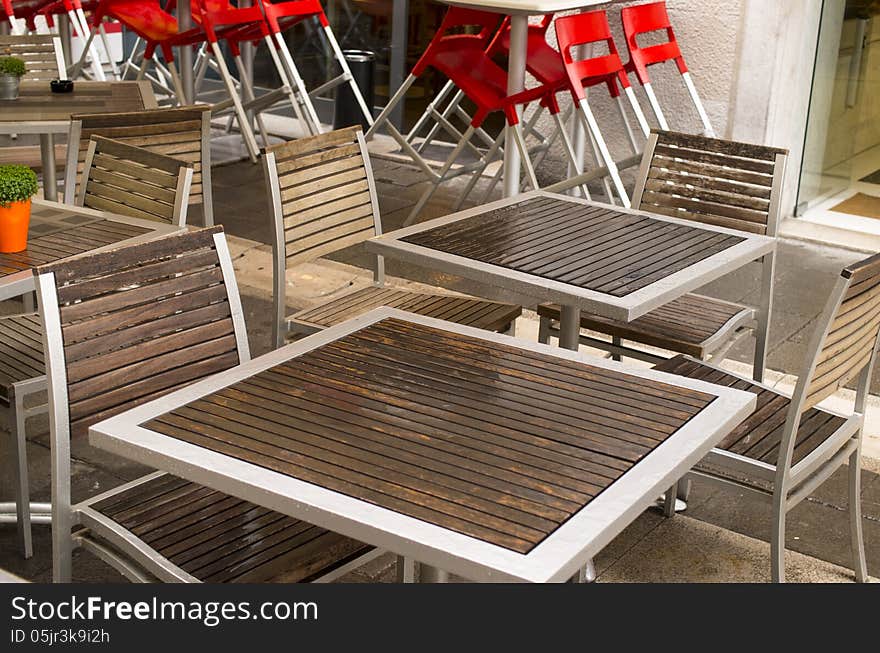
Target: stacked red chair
[463, 59]
[653, 17]
[573, 33]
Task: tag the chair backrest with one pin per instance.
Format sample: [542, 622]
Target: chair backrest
[129, 180]
[642, 19]
[712, 181]
[457, 35]
[184, 133]
[323, 199]
[843, 347]
[131, 324]
[848, 332]
[583, 29]
[41, 54]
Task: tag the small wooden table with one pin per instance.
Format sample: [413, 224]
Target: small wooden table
[468, 451]
[59, 230]
[615, 262]
[39, 111]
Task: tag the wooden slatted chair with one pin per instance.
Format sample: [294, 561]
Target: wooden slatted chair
[130, 325]
[129, 180]
[184, 133]
[323, 198]
[789, 446]
[709, 181]
[121, 178]
[41, 54]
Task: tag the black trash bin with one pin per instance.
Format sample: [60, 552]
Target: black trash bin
[363, 69]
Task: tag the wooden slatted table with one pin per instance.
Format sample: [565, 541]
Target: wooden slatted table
[469, 451]
[604, 259]
[59, 230]
[39, 111]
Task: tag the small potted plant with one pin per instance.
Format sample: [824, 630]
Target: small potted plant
[18, 184]
[11, 71]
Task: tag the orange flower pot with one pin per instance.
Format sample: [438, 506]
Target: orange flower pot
[14, 222]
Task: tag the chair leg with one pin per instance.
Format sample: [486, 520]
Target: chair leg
[777, 539]
[298, 85]
[655, 106]
[17, 431]
[450, 160]
[248, 93]
[669, 501]
[337, 53]
[246, 133]
[544, 330]
[855, 517]
[607, 159]
[615, 341]
[406, 570]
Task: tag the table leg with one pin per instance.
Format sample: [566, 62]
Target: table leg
[762, 328]
[516, 79]
[185, 52]
[570, 327]
[47, 153]
[429, 574]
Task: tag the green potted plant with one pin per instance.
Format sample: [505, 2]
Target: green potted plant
[18, 184]
[11, 71]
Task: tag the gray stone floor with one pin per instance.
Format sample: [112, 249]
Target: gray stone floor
[718, 540]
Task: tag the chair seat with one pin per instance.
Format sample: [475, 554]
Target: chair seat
[692, 324]
[758, 436]
[220, 539]
[478, 313]
[21, 351]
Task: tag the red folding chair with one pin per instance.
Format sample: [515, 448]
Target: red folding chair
[583, 72]
[653, 17]
[462, 58]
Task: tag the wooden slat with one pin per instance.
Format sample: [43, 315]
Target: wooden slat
[596, 248]
[482, 438]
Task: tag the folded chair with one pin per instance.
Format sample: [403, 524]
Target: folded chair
[125, 180]
[790, 446]
[99, 52]
[130, 325]
[323, 199]
[183, 133]
[705, 181]
[463, 59]
[652, 18]
[584, 71]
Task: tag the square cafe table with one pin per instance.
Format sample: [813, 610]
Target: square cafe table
[60, 230]
[471, 452]
[615, 262]
[40, 111]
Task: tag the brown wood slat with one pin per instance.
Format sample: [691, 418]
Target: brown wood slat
[324, 194]
[460, 434]
[175, 132]
[67, 239]
[38, 53]
[596, 249]
[463, 310]
[219, 538]
[21, 351]
[759, 435]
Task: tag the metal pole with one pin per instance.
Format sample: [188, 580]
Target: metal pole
[397, 65]
[64, 34]
[570, 327]
[185, 52]
[516, 79]
[247, 58]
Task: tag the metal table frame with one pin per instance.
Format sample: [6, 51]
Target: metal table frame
[573, 298]
[557, 558]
